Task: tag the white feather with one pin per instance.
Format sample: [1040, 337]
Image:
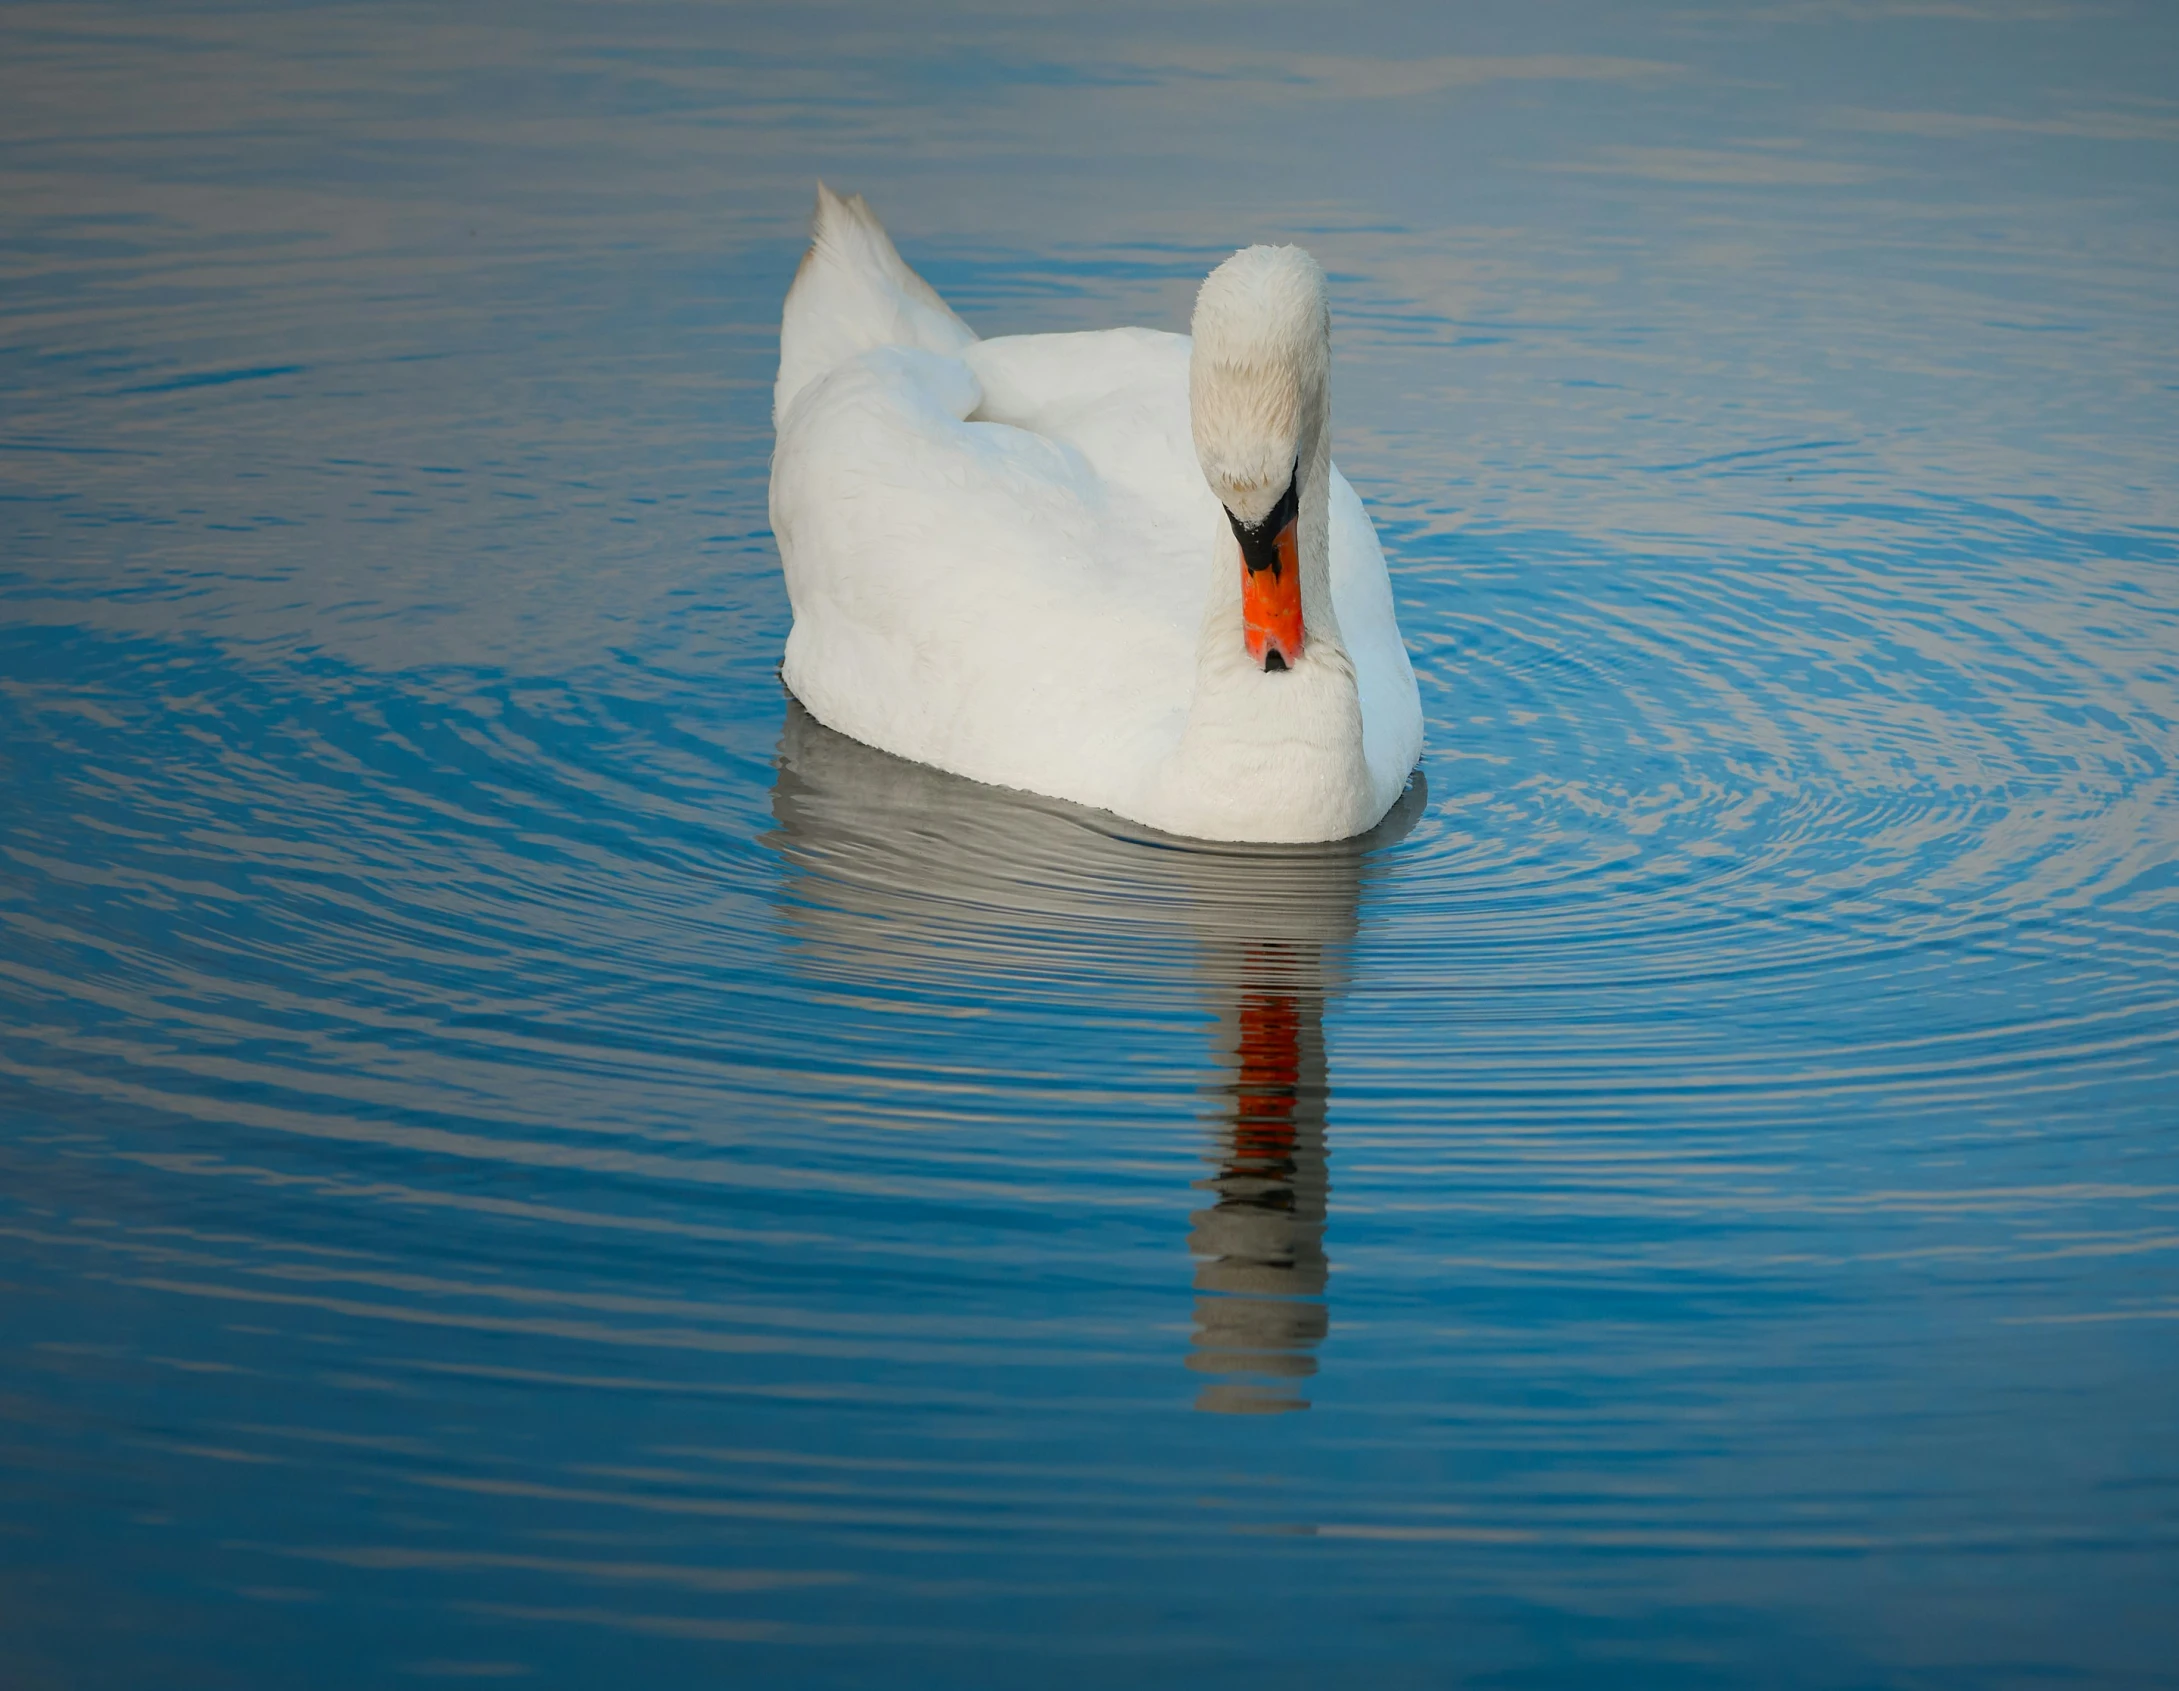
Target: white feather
[1005, 559]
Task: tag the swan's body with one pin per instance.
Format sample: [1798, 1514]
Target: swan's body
[1005, 559]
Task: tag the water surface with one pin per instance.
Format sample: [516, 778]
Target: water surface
[522, 1155]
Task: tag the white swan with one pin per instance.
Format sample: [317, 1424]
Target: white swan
[1113, 567]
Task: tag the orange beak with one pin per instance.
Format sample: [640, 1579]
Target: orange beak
[1271, 599]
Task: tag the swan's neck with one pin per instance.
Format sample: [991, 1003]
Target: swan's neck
[1282, 748]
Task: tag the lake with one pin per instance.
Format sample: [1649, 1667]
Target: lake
[524, 1156]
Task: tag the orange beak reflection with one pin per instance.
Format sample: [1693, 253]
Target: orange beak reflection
[1271, 604]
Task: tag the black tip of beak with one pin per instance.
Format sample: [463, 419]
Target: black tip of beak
[1274, 659]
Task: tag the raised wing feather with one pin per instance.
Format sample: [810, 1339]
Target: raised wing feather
[955, 584]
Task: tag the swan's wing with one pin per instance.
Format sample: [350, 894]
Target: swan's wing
[1119, 399]
[1362, 597]
[854, 292]
[963, 591]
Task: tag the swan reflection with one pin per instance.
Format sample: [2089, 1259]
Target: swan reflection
[901, 875]
[1259, 1246]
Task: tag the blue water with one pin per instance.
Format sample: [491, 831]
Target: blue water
[523, 1156]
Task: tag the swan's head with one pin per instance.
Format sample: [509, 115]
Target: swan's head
[1256, 396]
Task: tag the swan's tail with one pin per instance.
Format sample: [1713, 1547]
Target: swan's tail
[853, 293]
